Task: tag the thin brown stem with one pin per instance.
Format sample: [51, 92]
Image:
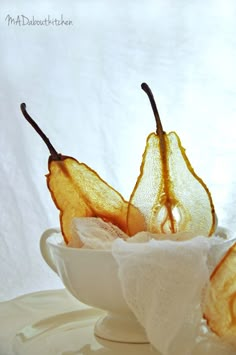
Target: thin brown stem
[52, 150]
[146, 88]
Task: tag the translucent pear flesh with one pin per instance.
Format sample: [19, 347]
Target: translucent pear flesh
[168, 193]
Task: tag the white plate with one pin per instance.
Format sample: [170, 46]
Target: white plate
[54, 323]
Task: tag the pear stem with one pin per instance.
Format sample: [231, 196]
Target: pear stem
[146, 88]
[52, 150]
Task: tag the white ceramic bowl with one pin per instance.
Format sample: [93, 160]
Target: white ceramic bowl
[92, 277]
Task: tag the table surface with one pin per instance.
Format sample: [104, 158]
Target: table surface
[55, 323]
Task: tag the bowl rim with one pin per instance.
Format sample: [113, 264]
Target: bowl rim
[60, 244]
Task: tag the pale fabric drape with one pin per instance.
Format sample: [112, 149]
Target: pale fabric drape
[81, 83]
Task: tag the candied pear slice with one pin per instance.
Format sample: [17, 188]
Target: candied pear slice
[78, 191]
[220, 298]
[168, 193]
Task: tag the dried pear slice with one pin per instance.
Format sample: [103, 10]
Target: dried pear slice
[220, 298]
[168, 193]
[78, 191]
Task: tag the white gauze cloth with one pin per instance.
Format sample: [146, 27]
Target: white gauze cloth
[163, 282]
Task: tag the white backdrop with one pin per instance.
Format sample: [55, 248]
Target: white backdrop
[81, 82]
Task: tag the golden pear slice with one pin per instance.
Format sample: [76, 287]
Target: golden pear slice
[168, 193]
[78, 191]
[220, 300]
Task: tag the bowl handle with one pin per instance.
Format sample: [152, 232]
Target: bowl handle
[44, 248]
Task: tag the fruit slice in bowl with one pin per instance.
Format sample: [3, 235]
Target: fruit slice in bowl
[168, 193]
[220, 298]
[78, 191]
